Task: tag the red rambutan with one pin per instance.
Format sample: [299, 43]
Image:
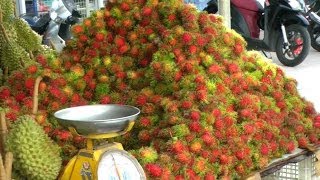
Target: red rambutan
[153, 169]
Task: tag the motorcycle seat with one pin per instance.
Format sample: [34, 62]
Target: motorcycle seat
[251, 5]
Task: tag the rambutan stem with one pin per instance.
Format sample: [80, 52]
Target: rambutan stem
[3, 130]
[3, 175]
[35, 95]
[8, 164]
[31, 54]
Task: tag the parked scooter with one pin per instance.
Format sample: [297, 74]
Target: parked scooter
[285, 27]
[312, 14]
[55, 25]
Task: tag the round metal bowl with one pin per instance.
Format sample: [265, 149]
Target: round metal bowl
[97, 119]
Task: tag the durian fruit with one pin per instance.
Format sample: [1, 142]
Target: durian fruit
[13, 56]
[7, 7]
[36, 156]
[10, 30]
[27, 38]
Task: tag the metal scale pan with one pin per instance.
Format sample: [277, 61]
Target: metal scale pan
[97, 119]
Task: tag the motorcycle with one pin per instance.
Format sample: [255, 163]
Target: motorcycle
[284, 26]
[55, 25]
[312, 14]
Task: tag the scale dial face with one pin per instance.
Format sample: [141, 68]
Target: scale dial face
[119, 165]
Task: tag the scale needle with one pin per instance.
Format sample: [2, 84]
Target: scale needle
[118, 172]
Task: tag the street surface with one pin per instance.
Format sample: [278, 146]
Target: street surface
[308, 76]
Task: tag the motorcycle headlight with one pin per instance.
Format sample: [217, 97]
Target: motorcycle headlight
[297, 5]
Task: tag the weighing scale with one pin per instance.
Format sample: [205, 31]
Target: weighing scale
[103, 161]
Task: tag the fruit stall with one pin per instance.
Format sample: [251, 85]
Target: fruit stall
[208, 107]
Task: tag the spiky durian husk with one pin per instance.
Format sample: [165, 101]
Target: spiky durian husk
[28, 39]
[10, 30]
[13, 56]
[7, 8]
[35, 154]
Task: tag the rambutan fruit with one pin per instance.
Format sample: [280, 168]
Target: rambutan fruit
[11, 115]
[119, 41]
[195, 126]
[186, 38]
[224, 159]
[177, 147]
[153, 169]
[101, 90]
[264, 149]
[184, 157]
[218, 124]
[124, 6]
[146, 11]
[100, 36]
[141, 100]
[192, 49]
[303, 142]
[195, 146]
[4, 92]
[77, 29]
[195, 115]
[238, 49]
[144, 136]
[32, 69]
[147, 155]
[208, 139]
[290, 146]
[105, 99]
[200, 165]
[19, 96]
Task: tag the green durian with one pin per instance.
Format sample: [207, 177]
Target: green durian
[27, 38]
[7, 9]
[13, 56]
[36, 156]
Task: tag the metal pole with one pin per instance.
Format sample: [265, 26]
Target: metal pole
[21, 6]
[224, 10]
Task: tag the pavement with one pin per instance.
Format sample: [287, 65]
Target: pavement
[308, 76]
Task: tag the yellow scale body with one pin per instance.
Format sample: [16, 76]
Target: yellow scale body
[84, 165]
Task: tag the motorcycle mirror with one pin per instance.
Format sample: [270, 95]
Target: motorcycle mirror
[76, 13]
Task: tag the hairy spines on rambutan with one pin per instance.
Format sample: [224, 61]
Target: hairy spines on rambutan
[147, 155]
[183, 157]
[154, 170]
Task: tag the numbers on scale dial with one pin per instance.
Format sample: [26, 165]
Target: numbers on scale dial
[118, 165]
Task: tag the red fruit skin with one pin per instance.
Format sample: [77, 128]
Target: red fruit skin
[124, 6]
[240, 155]
[195, 126]
[193, 49]
[224, 159]
[264, 149]
[105, 100]
[195, 116]
[99, 37]
[177, 147]
[4, 93]
[146, 11]
[186, 38]
[209, 176]
[186, 104]
[154, 170]
[207, 139]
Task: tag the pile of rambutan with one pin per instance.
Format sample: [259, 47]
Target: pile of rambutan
[209, 108]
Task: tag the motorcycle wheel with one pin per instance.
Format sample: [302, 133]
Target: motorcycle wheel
[299, 46]
[315, 37]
